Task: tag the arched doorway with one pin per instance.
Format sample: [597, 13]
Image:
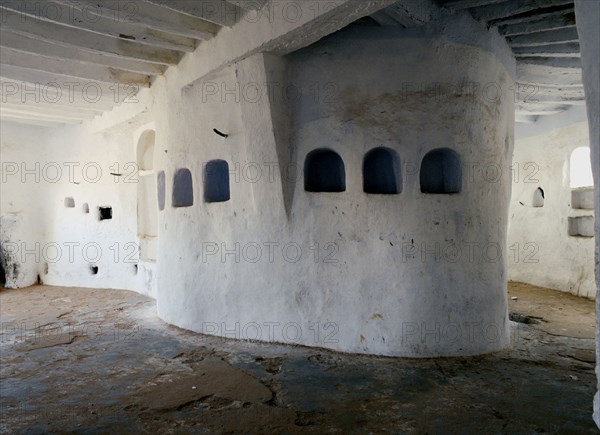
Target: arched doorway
[147, 198]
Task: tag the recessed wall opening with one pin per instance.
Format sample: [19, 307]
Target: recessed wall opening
[581, 181]
[105, 213]
[5, 265]
[324, 171]
[148, 192]
[582, 198]
[69, 202]
[183, 189]
[161, 189]
[539, 197]
[145, 150]
[85, 208]
[216, 181]
[581, 226]
[2, 274]
[581, 168]
[93, 269]
[381, 172]
[441, 172]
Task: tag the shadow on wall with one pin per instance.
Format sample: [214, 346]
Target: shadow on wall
[161, 188]
[183, 190]
[216, 181]
[324, 171]
[6, 264]
[381, 172]
[2, 273]
[441, 172]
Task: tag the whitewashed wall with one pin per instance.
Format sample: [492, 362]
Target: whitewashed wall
[380, 294]
[62, 244]
[22, 200]
[541, 251]
[409, 274]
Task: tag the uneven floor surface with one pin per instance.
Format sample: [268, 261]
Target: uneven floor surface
[100, 361]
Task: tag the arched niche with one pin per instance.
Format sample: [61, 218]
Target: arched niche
[324, 171]
[381, 172]
[441, 172]
[145, 150]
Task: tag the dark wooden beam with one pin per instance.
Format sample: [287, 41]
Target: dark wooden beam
[544, 38]
[568, 49]
[534, 15]
[550, 23]
[514, 7]
[557, 62]
[467, 4]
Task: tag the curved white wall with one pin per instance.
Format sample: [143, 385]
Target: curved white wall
[411, 274]
[374, 286]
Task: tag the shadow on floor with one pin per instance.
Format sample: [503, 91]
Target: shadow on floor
[88, 360]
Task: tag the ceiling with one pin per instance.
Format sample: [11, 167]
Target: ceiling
[97, 53]
[543, 37]
[105, 50]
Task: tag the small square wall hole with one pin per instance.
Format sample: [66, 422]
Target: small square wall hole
[583, 198]
[69, 202]
[85, 208]
[581, 226]
[105, 213]
[93, 269]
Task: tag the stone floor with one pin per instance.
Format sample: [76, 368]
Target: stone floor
[102, 362]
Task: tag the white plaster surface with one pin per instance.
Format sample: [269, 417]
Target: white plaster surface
[541, 252]
[21, 206]
[409, 274]
[42, 167]
[372, 288]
